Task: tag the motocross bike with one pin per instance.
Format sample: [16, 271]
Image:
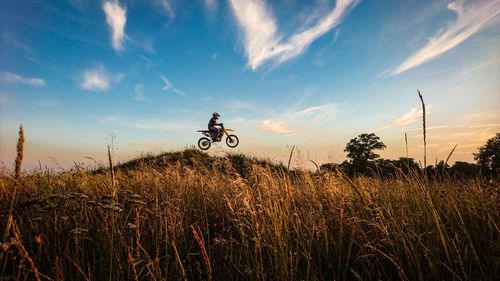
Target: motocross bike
[204, 143]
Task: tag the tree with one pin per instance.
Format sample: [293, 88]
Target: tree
[488, 156]
[464, 169]
[360, 149]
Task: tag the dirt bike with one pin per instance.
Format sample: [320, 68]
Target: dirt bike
[231, 140]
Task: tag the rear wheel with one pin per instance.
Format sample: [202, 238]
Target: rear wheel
[204, 143]
[232, 141]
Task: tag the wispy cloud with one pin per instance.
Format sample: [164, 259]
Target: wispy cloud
[98, 79]
[281, 127]
[7, 77]
[290, 122]
[479, 67]
[139, 95]
[116, 19]
[179, 92]
[410, 117]
[322, 112]
[470, 19]
[147, 62]
[6, 37]
[440, 127]
[168, 86]
[168, 10]
[262, 40]
[237, 120]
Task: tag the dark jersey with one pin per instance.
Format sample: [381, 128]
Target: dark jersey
[212, 122]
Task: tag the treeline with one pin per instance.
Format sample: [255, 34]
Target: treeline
[388, 167]
[363, 161]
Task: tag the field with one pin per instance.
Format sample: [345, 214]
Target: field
[189, 216]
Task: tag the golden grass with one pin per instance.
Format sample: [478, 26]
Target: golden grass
[188, 216]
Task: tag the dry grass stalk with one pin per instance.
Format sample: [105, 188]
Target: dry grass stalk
[290, 159]
[424, 130]
[204, 252]
[406, 142]
[449, 155]
[80, 270]
[19, 157]
[131, 261]
[112, 172]
[17, 162]
[315, 164]
[179, 261]
[25, 255]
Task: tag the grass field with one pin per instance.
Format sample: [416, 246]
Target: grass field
[188, 216]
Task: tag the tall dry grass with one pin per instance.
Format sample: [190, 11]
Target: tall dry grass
[188, 216]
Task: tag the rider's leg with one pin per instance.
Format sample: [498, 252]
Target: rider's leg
[213, 132]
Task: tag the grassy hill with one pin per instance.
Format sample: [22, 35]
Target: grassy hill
[189, 216]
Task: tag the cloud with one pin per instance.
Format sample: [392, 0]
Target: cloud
[214, 56]
[408, 118]
[261, 39]
[139, 95]
[440, 127]
[116, 19]
[147, 62]
[276, 126]
[479, 68]
[470, 19]
[99, 79]
[6, 37]
[7, 77]
[322, 112]
[168, 86]
[237, 120]
[179, 92]
[169, 11]
[288, 123]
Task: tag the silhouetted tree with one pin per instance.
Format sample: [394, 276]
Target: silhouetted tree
[360, 151]
[488, 156]
[329, 167]
[361, 147]
[387, 167]
[464, 169]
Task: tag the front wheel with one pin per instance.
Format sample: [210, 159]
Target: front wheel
[232, 141]
[204, 143]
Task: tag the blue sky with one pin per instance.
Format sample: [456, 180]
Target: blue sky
[308, 73]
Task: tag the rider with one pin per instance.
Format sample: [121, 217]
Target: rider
[211, 125]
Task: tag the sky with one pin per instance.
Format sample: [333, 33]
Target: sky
[314, 74]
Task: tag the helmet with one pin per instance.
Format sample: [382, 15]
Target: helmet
[216, 115]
